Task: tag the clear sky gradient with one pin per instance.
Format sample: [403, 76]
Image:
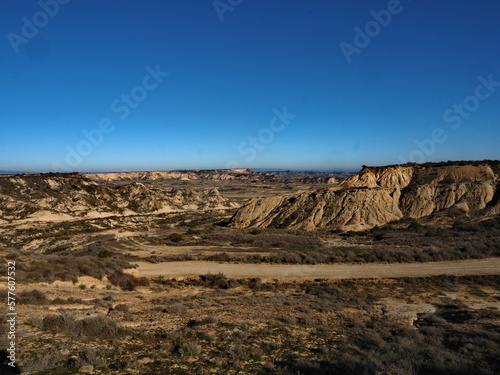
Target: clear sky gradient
[251, 83]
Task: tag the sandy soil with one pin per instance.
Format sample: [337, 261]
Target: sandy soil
[325, 271]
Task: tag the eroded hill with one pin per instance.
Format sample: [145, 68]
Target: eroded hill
[240, 174]
[378, 195]
[56, 197]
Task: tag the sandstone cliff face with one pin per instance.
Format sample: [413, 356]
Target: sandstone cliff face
[63, 197]
[378, 195]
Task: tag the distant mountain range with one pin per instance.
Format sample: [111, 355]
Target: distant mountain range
[16, 172]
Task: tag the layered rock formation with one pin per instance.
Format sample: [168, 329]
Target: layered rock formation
[69, 196]
[378, 195]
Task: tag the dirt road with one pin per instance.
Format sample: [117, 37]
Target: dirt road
[324, 271]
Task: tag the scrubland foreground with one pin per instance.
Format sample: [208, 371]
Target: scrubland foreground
[215, 325]
[83, 305]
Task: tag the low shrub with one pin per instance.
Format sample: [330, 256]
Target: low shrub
[189, 348]
[126, 281]
[122, 307]
[33, 297]
[96, 326]
[175, 237]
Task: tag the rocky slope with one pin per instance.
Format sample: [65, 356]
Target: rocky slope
[68, 196]
[378, 195]
[171, 175]
[243, 175]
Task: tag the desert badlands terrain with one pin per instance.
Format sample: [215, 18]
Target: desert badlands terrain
[390, 270]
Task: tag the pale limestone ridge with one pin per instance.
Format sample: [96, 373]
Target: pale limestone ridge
[57, 197]
[378, 195]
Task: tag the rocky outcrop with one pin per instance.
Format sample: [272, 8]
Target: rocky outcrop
[378, 195]
[67, 196]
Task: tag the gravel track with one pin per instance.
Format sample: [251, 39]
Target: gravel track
[490, 266]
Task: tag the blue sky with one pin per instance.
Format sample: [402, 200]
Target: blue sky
[409, 92]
